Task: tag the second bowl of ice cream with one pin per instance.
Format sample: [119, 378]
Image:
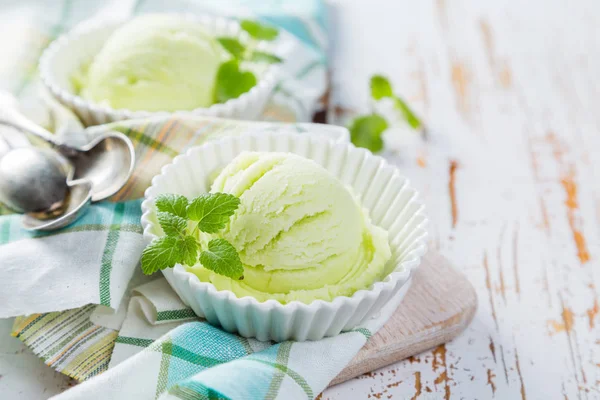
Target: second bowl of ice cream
[154, 64]
[327, 234]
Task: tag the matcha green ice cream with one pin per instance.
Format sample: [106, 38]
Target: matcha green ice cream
[154, 63]
[300, 233]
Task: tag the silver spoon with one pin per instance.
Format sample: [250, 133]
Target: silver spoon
[45, 176]
[107, 160]
[78, 199]
[105, 163]
[51, 199]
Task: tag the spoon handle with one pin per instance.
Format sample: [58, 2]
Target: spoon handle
[16, 120]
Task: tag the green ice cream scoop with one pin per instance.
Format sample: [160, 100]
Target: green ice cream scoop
[155, 63]
[300, 233]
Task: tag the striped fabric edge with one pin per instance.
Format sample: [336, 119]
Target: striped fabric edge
[287, 371]
[133, 341]
[124, 217]
[109, 251]
[366, 333]
[172, 350]
[192, 390]
[6, 223]
[175, 315]
[283, 355]
[67, 341]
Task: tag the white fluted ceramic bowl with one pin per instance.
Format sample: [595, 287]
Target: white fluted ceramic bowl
[67, 54]
[392, 203]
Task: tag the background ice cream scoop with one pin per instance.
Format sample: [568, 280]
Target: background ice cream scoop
[155, 63]
[300, 233]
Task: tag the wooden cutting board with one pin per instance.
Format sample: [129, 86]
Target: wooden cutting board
[438, 306]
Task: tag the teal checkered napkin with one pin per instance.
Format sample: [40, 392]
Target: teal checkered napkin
[159, 354]
[94, 261]
[98, 254]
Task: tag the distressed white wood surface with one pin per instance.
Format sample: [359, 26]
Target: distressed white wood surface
[511, 92]
[22, 374]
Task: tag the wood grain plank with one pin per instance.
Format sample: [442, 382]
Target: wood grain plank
[497, 80]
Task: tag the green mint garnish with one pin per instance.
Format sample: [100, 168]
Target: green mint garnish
[167, 251]
[212, 210]
[242, 53]
[380, 87]
[231, 82]
[172, 203]
[409, 115]
[261, 56]
[172, 225]
[210, 213]
[222, 258]
[233, 46]
[259, 31]
[366, 131]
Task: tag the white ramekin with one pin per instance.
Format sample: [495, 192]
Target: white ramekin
[384, 192]
[69, 52]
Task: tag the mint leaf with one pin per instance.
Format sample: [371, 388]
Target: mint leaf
[189, 250]
[366, 132]
[409, 115]
[222, 258]
[260, 56]
[167, 251]
[380, 87]
[212, 210]
[231, 82]
[172, 203]
[171, 224]
[258, 30]
[233, 46]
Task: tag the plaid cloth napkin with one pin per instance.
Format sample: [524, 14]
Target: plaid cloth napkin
[94, 261]
[159, 355]
[135, 339]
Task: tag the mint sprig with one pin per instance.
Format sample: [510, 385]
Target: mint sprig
[408, 113]
[261, 56]
[233, 46]
[167, 251]
[172, 224]
[172, 203]
[367, 130]
[381, 88]
[231, 82]
[259, 31]
[207, 213]
[212, 210]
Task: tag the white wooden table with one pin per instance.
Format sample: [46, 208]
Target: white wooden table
[511, 91]
[510, 174]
